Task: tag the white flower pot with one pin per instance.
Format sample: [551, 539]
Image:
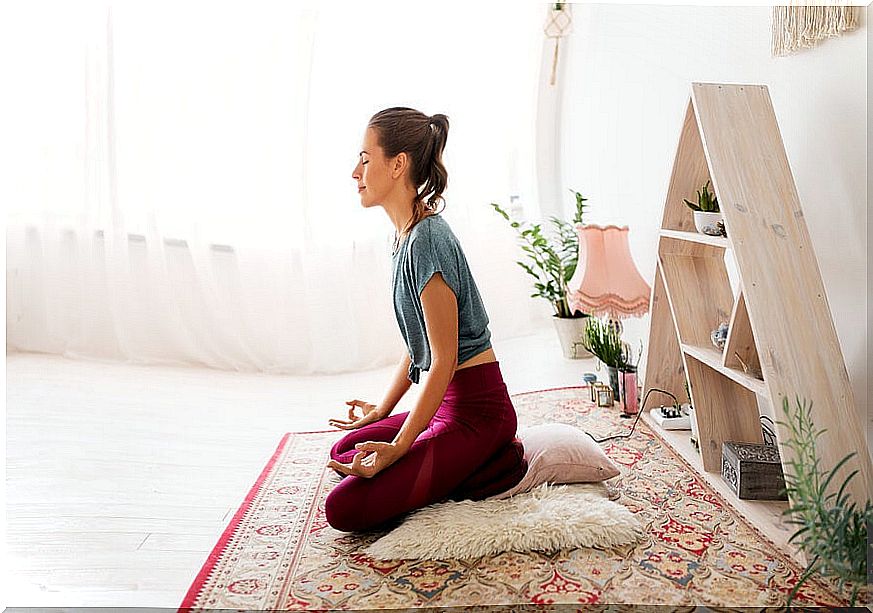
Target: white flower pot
[705, 222]
[571, 331]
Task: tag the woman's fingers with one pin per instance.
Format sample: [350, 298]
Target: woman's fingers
[339, 467]
[353, 420]
[353, 468]
[362, 465]
[372, 446]
[356, 463]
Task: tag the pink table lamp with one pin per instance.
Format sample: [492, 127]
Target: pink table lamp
[606, 280]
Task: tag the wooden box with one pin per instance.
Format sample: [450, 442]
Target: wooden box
[753, 471]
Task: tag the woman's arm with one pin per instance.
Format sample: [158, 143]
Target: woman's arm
[440, 308]
[399, 385]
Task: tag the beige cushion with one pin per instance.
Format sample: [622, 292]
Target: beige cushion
[560, 453]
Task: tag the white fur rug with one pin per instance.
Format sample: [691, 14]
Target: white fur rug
[547, 518]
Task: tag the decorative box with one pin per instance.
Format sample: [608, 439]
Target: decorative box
[753, 471]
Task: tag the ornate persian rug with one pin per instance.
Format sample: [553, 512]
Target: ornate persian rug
[279, 553]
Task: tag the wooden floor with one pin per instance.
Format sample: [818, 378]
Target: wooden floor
[116, 491]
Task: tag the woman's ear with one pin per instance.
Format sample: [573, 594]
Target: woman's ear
[401, 161]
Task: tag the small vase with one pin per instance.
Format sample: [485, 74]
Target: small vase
[630, 402]
[613, 382]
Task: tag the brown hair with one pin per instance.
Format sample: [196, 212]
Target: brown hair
[423, 138]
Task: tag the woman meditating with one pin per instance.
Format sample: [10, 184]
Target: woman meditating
[459, 440]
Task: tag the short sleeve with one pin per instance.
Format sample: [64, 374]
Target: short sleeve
[431, 252]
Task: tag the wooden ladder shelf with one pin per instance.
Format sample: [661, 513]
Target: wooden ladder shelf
[781, 326]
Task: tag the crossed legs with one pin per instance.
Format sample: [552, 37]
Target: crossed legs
[448, 459]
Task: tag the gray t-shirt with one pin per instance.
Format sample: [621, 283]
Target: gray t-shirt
[432, 247]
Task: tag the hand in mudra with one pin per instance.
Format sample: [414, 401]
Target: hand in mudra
[370, 412]
[371, 458]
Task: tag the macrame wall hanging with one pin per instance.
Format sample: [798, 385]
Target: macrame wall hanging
[805, 26]
[559, 23]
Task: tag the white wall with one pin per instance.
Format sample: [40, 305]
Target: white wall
[628, 78]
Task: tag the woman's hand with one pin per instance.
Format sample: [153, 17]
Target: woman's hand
[371, 458]
[371, 413]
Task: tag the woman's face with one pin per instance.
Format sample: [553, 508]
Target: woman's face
[373, 173]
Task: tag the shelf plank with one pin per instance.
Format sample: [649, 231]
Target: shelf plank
[697, 237]
[700, 294]
[724, 410]
[713, 358]
[664, 364]
[740, 340]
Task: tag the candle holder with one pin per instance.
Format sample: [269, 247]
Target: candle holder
[630, 401]
[604, 396]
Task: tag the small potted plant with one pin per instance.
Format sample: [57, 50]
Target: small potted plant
[707, 215]
[604, 341]
[552, 264]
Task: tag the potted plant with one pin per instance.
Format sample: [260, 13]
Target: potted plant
[834, 533]
[707, 215]
[604, 341]
[552, 264]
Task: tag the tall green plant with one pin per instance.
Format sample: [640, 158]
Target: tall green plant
[552, 262]
[831, 531]
[604, 341]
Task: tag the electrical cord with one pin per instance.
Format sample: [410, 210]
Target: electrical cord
[640, 412]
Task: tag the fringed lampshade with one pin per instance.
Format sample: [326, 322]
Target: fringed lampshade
[606, 280]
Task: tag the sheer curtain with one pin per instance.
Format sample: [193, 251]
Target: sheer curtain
[180, 190]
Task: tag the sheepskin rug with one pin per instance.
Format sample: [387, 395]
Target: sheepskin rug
[547, 518]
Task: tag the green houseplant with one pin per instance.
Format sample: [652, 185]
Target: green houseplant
[552, 262]
[706, 202]
[832, 532]
[707, 214]
[604, 341]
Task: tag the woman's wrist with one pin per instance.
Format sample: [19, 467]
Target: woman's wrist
[402, 442]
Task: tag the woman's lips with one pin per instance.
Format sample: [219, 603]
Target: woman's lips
[360, 189]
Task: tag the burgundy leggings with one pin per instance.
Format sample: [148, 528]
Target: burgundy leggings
[468, 450]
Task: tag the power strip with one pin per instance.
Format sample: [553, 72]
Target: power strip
[670, 423]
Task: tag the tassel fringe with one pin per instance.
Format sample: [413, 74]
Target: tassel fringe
[805, 26]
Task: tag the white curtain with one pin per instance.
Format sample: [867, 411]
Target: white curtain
[179, 182]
